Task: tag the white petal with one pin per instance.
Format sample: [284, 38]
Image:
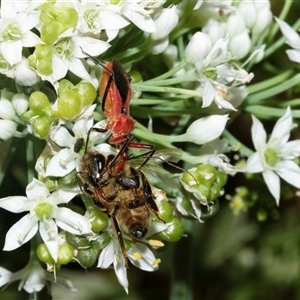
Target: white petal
[254, 164]
[206, 129]
[8, 129]
[198, 47]
[89, 45]
[63, 195]
[62, 137]
[21, 232]
[7, 111]
[282, 128]
[290, 172]
[258, 133]
[273, 184]
[140, 19]
[76, 66]
[15, 204]
[294, 55]
[147, 257]
[49, 234]
[36, 190]
[5, 276]
[165, 21]
[107, 256]
[59, 67]
[121, 271]
[287, 30]
[12, 51]
[35, 280]
[112, 21]
[159, 46]
[61, 163]
[70, 221]
[209, 93]
[30, 39]
[291, 149]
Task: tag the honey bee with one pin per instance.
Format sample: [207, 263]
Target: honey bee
[125, 195]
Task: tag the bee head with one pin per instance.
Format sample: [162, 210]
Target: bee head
[138, 230]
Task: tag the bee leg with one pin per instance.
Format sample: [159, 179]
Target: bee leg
[121, 241]
[151, 205]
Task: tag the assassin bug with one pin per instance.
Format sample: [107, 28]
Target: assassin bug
[115, 92]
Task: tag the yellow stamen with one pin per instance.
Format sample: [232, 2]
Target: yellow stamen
[156, 243]
[137, 255]
[156, 262]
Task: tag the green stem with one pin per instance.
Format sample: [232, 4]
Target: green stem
[151, 88]
[275, 90]
[160, 138]
[170, 73]
[266, 112]
[243, 150]
[262, 85]
[171, 81]
[30, 158]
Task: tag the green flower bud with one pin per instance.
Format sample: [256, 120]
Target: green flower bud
[87, 93]
[44, 66]
[67, 17]
[87, 257]
[262, 215]
[221, 178]
[68, 180]
[69, 105]
[44, 254]
[38, 102]
[41, 127]
[77, 241]
[165, 210]
[51, 31]
[204, 182]
[65, 254]
[98, 219]
[174, 232]
[64, 85]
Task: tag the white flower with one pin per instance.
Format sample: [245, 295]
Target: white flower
[64, 161]
[134, 10]
[293, 40]
[15, 32]
[275, 157]
[67, 55]
[139, 255]
[44, 215]
[112, 254]
[33, 278]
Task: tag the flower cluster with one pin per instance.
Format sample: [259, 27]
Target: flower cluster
[188, 65]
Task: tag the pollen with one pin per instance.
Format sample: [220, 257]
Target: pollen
[156, 262]
[156, 244]
[137, 255]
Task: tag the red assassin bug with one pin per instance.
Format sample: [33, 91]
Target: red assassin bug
[115, 92]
